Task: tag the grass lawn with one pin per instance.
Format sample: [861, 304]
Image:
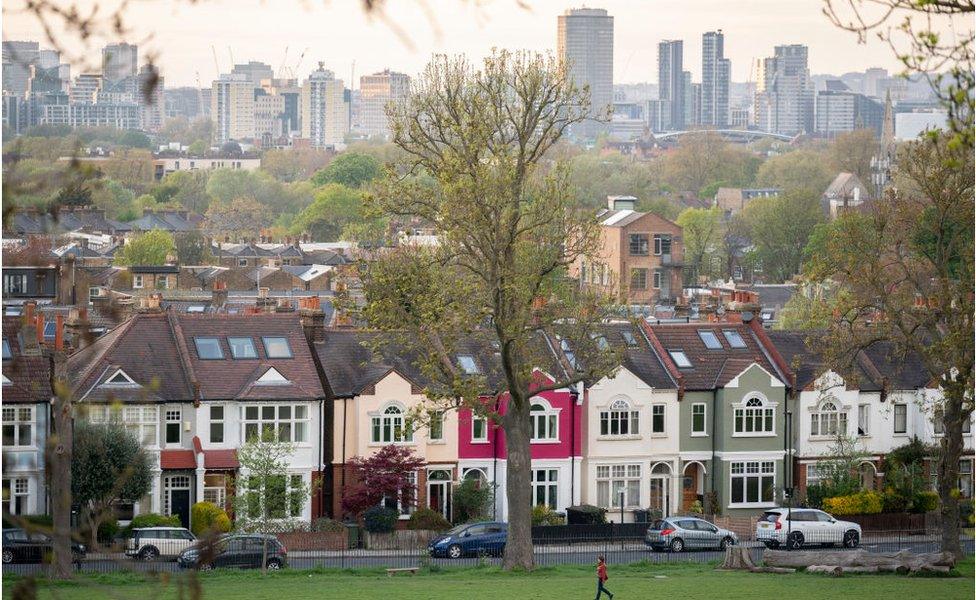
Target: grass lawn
[682, 581]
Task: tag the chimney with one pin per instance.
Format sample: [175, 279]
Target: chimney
[29, 311]
[78, 328]
[312, 318]
[219, 292]
[40, 329]
[59, 332]
[621, 203]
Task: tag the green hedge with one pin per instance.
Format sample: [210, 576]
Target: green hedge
[428, 519]
[380, 519]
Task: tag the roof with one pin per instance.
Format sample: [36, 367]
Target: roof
[154, 269]
[773, 296]
[30, 376]
[710, 368]
[307, 272]
[902, 371]
[166, 220]
[843, 185]
[88, 219]
[158, 353]
[177, 459]
[639, 359]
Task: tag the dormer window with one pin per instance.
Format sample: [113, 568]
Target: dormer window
[568, 352]
[710, 340]
[680, 358]
[7, 354]
[120, 378]
[733, 338]
[629, 338]
[208, 348]
[467, 364]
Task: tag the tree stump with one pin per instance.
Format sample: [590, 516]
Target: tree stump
[738, 558]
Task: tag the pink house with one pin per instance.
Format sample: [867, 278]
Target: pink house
[557, 444]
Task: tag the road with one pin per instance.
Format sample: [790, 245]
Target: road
[616, 552]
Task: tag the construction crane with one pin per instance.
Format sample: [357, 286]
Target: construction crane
[231, 53]
[200, 92]
[299, 63]
[281, 67]
[216, 63]
[352, 74]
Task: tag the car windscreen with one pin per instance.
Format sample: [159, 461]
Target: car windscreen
[456, 530]
[769, 517]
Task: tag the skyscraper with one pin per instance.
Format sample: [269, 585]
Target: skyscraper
[585, 43]
[325, 114]
[692, 93]
[376, 90]
[255, 72]
[716, 74]
[232, 108]
[120, 69]
[787, 101]
[671, 81]
[18, 57]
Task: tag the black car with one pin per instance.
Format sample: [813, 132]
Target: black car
[242, 551]
[21, 546]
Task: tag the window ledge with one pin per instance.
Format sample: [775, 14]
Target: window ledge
[699, 434]
[753, 505]
[754, 434]
[556, 441]
[659, 435]
[436, 442]
[480, 442]
[618, 438]
[381, 444]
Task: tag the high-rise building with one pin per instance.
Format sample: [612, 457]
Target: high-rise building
[291, 94]
[843, 111]
[269, 111]
[232, 108]
[871, 78]
[657, 115]
[254, 71]
[786, 104]
[692, 93]
[671, 80]
[151, 98]
[325, 112]
[188, 102]
[716, 77]
[18, 57]
[585, 43]
[376, 91]
[120, 71]
[85, 88]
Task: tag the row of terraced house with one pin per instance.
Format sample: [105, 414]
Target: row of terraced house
[695, 412]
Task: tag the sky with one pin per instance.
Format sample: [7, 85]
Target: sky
[183, 35]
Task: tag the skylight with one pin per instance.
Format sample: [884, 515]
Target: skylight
[195, 308]
[467, 364]
[242, 347]
[680, 358]
[568, 351]
[735, 340]
[628, 338]
[50, 329]
[7, 354]
[276, 347]
[710, 339]
[208, 348]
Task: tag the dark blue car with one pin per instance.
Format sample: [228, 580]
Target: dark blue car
[471, 539]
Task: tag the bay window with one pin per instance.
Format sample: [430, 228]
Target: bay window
[141, 421]
[611, 480]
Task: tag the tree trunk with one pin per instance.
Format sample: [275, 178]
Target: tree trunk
[903, 561]
[739, 558]
[518, 548]
[59, 471]
[951, 448]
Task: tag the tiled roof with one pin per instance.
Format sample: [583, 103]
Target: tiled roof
[221, 459]
[902, 372]
[177, 459]
[639, 359]
[30, 376]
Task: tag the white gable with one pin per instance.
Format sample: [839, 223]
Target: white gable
[5, 380]
[120, 378]
[620, 378]
[272, 377]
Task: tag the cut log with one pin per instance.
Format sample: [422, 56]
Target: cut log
[738, 558]
[901, 562]
[837, 570]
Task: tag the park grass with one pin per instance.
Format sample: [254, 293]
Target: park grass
[564, 582]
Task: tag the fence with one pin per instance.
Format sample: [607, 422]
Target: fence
[573, 545]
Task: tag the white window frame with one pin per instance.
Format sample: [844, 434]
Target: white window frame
[436, 417]
[408, 508]
[545, 482]
[620, 414]
[15, 419]
[141, 420]
[221, 421]
[257, 424]
[262, 497]
[173, 415]
[703, 432]
[829, 420]
[137, 281]
[966, 477]
[656, 279]
[545, 421]
[611, 479]
[483, 422]
[894, 418]
[8, 283]
[752, 469]
[18, 488]
[659, 411]
[864, 420]
[750, 411]
[213, 493]
[392, 425]
[813, 476]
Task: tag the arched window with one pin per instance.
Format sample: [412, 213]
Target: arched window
[619, 419]
[476, 475]
[391, 426]
[545, 422]
[755, 416]
[828, 421]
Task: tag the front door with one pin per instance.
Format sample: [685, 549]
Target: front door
[176, 497]
[660, 494]
[439, 492]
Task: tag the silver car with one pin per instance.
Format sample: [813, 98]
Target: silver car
[685, 533]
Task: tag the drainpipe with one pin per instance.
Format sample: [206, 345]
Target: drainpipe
[573, 396]
[342, 489]
[494, 465]
[714, 458]
[321, 477]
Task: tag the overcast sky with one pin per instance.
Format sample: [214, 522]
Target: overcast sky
[338, 33]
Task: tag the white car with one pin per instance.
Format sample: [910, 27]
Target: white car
[151, 543]
[805, 526]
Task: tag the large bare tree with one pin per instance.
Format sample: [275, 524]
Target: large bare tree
[474, 142]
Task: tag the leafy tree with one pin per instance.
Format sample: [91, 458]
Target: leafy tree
[386, 476]
[779, 229]
[799, 169]
[702, 235]
[238, 219]
[74, 194]
[294, 164]
[335, 206]
[132, 168]
[509, 231]
[704, 158]
[369, 233]
[135, 139]
[471, 501]
[108, 463]
[197, 148]
[186, 188]
[909, 260]
[192, 248]
[116, 200]
[803, 313]
[595, 176]
[150, 248]
[349, 169]
[851, 152]
[226, 185]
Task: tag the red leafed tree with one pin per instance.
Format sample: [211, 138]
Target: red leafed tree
[386, 474]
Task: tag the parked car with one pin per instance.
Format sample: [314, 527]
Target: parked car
[684, 533]
[470, 539]
[241, 551]
[151, 543]
[21, 546]
[805, 526]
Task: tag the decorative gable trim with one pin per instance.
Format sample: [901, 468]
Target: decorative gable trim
[119, 379]
[272, 377]
[773, 380]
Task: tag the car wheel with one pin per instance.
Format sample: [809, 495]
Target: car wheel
[8, 557]
[851, 539]
[726, 542]
[771, 544]
[677, 545]
[795, 541]
[274, 564]
[149, 554]
[454, 551]
[205, 567]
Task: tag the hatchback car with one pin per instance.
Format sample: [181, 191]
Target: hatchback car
[21, 546]
[470, 539]
[805, 526]
[241, 551]
[684, 533]
[151, 543]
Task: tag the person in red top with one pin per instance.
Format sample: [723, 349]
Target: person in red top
[601, 577]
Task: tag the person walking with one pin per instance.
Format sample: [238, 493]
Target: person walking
[601, 578]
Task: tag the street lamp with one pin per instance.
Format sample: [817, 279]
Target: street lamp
[621, 507]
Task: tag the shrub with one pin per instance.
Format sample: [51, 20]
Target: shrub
[380, 519]
[815, 496]
[107, 530]
[861, 503]
[543, 514]
[924, 502]
[966, 512]
[327, 524]
[697, 508]
[472, 501]
[205, 517]
[431, 520]
[586, 514]
[153, 520]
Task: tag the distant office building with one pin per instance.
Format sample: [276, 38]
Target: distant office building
[291, 94]
[269, 111]
[897, 87]
[85, 88]
[871, 79]
[786, 104]
[151, 99]
[375, 91]
[716, 77]
[120, 70]
[18, 57]
[671, 81]
[692, 102]
[840, 112]
[186, 102]
[120, 116]
[232, 108]
[740, 118]
[254, 71]
[658, 115]
[585, 43]
[325, 113]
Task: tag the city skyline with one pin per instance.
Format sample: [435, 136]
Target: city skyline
[339, 34]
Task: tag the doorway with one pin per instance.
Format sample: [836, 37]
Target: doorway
[661, 489]
[176, 497]
[439, 491]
